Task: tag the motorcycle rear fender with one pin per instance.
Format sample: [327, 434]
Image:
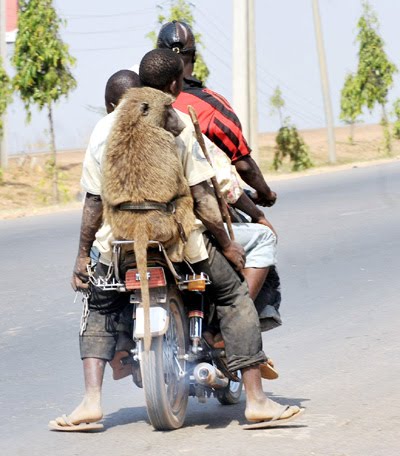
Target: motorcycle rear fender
[159, 321]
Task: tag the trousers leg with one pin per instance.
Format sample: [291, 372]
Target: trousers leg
[239, 323]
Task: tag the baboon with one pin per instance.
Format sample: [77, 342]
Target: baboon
[142, 165]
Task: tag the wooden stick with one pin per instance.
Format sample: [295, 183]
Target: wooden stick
[217, 189]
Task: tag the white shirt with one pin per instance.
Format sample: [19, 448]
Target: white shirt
[196, 170]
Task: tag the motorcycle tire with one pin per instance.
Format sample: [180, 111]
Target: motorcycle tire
[163, 368]
[231, 394]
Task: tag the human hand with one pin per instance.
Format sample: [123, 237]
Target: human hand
[264, 199]
[234, 253]
[80, 276]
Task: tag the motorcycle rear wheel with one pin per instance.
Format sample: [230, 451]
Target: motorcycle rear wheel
[165, 380]
[231, 394]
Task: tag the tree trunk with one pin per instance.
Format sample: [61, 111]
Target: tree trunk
[387, 138]
[56, 196]
[280, 117]
[351, 136]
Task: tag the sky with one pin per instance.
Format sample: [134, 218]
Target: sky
[108, 36]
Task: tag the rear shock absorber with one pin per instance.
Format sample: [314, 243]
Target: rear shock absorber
[196, 315]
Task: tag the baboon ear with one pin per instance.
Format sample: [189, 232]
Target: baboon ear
[144, 108]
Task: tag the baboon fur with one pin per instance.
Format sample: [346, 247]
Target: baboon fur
[142, 163]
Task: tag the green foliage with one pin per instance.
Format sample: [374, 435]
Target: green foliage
[181, 10]
[350, 102]
[44, 187]
[40, 57]
[277, 103]
[5, 93]
[290, 144]
[43, 64]
[375, 71]
[396, 124]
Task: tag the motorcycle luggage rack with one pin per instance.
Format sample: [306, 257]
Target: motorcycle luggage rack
[107, 284]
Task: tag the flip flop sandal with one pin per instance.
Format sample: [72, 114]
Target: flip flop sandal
[267, 371]
[71, 427]
[276, 421]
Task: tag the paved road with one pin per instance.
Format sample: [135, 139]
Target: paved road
[338, 351]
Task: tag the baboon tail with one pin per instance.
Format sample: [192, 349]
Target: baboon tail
[140, 246]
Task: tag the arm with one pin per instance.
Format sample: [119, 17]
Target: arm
[92, 215]
[207, 210]
[246, 205]
[251, 174]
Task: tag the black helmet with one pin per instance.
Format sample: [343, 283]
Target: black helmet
[177, 36]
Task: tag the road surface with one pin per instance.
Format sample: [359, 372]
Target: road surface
[338, 351]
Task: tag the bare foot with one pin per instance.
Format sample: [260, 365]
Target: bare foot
[88, 411]
[268, 410]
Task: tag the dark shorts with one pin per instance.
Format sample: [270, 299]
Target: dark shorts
[106, 310]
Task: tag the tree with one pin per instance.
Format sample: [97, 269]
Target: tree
[277, 103]
[5, 93]
[350, 103]
[289, 143]
[42, 63]
[181, 10]
[375, 71]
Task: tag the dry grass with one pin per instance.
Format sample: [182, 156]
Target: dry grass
[24, 187]
[368, 145]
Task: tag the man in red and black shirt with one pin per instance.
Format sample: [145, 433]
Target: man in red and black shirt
[217, 118]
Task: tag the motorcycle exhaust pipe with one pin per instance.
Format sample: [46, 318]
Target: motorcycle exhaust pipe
[207, 375]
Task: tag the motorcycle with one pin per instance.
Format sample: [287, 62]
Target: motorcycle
[180, 362]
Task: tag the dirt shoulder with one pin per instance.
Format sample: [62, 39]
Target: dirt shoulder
[25, 186]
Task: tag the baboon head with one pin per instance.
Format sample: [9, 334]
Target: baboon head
[153, 108]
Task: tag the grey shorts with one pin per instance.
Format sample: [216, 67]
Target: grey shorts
[259, 243]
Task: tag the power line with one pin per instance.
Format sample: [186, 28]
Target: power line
[290, 101]
[100, 32]
[101, 16]
[270, 75]
[309, 118]
[104, 49]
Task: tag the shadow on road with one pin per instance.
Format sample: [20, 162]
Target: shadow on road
[126, 415]
[211, 415]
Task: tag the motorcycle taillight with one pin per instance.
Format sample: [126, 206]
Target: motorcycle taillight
[155, 276]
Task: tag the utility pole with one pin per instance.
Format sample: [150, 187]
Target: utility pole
[324, 83]
[241, 63]
[252, 73]
[3, 55]
[244, 71]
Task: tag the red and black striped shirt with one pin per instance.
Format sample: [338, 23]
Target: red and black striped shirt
[217, 119]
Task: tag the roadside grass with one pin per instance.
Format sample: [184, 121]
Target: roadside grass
[368, 146]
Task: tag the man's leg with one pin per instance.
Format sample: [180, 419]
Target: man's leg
[97, 346]
[255, 278]
[89, 410]
[259, 243]
[258, 406]
[240, 328]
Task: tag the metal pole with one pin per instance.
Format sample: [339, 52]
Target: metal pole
[3, 55]
[253, 108]
[324, 82]
[241, 63]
